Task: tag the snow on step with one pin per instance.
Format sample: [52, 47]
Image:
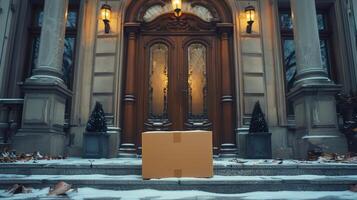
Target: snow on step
[85, 193]
[138, 161]
[98, 177]
[217, 184]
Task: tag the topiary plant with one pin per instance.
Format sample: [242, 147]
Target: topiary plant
[97, 122]
[258, 123]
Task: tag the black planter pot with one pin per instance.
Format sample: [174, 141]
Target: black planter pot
[351, 137]
[258, 146]
[95, 145]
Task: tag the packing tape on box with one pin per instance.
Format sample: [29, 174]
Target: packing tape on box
[176, 137]
[178, 173]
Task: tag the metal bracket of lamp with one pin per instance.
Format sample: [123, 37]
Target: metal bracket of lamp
[250, 14]
[177, 6]
[106, 10]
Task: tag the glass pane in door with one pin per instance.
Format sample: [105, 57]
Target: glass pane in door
[197, 81]
[158, 81]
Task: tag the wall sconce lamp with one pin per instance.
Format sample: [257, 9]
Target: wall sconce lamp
[177, 6]
[250, 13]
[105, 12]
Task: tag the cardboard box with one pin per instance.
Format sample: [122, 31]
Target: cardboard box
[177, 154]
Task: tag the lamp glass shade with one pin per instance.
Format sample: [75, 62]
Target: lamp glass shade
[105, 12]
[250, 13]
[177, 6]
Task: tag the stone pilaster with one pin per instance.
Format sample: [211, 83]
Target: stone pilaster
[45, 92]
[313, 93]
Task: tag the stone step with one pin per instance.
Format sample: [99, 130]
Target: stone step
[217, 184]
[135, 169]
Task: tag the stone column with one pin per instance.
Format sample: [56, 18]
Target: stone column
[7, 21]
[45, 92]
[313, 94]
[354, 11]
[228, 147]
[128, 147]
[349, 21]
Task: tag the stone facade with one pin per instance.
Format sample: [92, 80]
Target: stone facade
[99, 72]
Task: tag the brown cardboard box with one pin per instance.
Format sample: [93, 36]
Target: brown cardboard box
[177, 154]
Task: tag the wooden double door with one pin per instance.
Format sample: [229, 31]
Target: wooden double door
[179, 81]
[178, 77]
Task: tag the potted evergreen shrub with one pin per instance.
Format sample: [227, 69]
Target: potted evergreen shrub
[258, 140]
[96, 138]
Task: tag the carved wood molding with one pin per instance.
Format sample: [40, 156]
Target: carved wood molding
[203, 124]
[185, 23]
[158, 124]
[131, 27]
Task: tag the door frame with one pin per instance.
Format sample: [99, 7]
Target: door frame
[221, 26]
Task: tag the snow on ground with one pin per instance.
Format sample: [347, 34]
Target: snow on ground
[216, 162]
[85, 193]
[139, 178]
[81, 161]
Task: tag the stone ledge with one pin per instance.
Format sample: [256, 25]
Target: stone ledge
[135, 169]
[221, 184]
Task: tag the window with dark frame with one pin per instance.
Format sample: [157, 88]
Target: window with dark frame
[288, 48]
[69, 43]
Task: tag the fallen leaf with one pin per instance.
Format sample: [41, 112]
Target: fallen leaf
[60, 188]
[353, 188]
[17, 189]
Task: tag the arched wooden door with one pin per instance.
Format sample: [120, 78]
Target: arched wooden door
[178, 77]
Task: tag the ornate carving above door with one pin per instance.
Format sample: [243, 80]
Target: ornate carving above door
[186, 23]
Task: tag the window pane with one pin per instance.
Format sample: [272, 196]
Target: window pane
[158, 82]
[71, 19]
[197, 81]
[289, 62]
[39, 18]
[67, 66]
[35, 49]
[325, 55]
[290, 70]
[321, 22]
[286, 22]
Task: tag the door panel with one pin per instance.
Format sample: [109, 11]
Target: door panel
[197, 102]
[158, 82]
[197, 81]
